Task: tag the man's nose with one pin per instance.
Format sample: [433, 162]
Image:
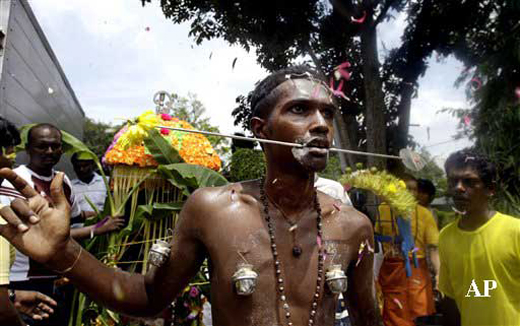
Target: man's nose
[459, 186]
[319, 123]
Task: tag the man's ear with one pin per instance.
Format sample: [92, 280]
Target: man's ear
[259, 127]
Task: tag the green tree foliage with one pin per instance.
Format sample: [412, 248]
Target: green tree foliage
[376, 116]
[192, 110]
[491, 52]
[432, 172]
[98, 135]
[333, 169]
[246, 164]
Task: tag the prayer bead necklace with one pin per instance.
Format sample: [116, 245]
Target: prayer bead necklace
[278, 265]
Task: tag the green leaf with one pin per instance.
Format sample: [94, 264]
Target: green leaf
[189, 177]
[161, 150]
[176, 206]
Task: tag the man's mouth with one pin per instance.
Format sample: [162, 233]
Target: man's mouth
[319, 143]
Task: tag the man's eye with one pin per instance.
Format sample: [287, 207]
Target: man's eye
[298, 109]
[328, 113]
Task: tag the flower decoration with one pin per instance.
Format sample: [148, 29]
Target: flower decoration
[128, 149]
[385, 185]
[138, 129]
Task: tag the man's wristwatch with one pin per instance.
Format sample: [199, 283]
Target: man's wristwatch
[12, 295]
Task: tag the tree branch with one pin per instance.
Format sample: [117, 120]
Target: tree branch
[384, 11]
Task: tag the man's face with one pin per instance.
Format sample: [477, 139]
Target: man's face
[45, 148]
[303, 113]
[423, 198]
[84, 169]
[468, 191]
[411, 185]
[7, 157]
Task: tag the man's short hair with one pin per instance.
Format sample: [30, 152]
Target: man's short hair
[41, 126]
[9, 135]
[427, 187]
[471, 158]
[260, 100]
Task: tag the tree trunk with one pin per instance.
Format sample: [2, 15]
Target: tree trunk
[401, 136]
[374, 99]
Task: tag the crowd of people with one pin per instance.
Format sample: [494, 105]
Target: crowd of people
[469, 272]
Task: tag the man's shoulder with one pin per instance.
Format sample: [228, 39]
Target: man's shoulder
[448, 231]
[221, 195]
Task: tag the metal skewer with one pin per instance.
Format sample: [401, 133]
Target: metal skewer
[283, 143]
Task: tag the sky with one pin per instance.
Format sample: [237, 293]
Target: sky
[118, 54]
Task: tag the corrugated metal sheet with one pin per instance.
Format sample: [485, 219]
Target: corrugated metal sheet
[33, 86]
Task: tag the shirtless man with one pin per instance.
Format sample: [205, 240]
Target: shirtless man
[229, 225]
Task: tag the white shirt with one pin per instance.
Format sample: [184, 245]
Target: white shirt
[332, 188]
[95, 191]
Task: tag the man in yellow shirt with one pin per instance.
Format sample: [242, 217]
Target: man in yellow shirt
[407, 297]
[480, 251]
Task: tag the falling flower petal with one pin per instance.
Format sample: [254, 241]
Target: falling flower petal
[50, 90]
[467, 120]
[274, 181]
[476, 83]
[293, 227]
[345, 74]
[344, 65]
[359, 20]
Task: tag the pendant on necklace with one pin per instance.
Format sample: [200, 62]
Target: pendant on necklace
[297, 251]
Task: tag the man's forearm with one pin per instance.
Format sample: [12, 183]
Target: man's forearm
[81, 233]
[8, 313]
[117, 290]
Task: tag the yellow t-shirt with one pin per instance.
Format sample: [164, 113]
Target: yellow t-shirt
[6, 258]
[424, 228]
[472, 259]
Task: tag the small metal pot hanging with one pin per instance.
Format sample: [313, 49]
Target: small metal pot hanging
[159, 253]
[336, 279]
[245, 279]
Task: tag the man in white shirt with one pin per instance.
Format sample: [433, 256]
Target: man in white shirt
[44, 147]
[89, 184]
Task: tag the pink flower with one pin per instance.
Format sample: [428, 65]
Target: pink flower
[467, 120]
[194, 292]
[166, 117]
[165, 131]
[359, 20]
[476, 83]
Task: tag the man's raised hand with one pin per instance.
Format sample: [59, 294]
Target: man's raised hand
[34, 226]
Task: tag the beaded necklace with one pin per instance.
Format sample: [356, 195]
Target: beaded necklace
[278, 265]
